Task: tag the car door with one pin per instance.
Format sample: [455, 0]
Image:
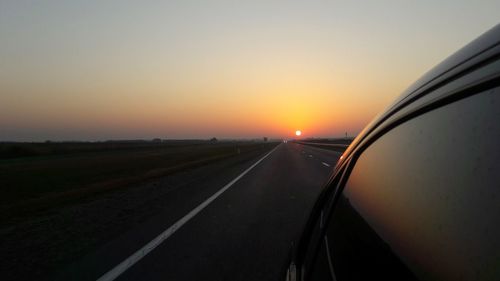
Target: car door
[421, 199]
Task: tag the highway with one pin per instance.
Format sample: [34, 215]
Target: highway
[243, 233]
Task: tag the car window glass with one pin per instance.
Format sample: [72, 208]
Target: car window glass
[423, 201]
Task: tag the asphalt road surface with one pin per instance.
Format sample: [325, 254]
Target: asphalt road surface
[246, 233]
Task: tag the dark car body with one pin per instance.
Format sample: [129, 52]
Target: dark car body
[416, 196]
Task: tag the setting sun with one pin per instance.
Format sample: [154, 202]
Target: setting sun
[298, 133]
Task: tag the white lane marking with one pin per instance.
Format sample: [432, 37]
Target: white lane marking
[310, 156]
[141, 253]
[326, 164]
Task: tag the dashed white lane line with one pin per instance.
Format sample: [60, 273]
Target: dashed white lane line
[326, 164]
[310, 156]
[141, 253]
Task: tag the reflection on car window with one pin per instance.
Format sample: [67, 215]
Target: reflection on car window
[423, 201]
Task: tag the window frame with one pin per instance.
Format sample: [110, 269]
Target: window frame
[482, 78]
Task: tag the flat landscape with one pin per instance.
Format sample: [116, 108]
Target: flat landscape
[81, 213]
[37, 177]
[198, 140]
[61, 200]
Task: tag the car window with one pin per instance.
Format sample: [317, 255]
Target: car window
[423, 201]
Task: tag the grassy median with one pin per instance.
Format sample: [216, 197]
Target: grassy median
[36, 177]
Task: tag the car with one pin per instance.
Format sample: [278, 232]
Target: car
[416, 196]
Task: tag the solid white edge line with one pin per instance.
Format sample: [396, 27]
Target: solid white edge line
[326, 164]
[141, 253]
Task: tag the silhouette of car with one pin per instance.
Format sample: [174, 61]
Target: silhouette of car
[416, 196]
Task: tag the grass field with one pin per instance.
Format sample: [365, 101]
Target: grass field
[35, 177]
[339, 145]
[345, 141]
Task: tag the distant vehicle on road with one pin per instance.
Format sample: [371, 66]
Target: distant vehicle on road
[416, 196]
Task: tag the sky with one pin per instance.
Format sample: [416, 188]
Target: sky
[97, 70]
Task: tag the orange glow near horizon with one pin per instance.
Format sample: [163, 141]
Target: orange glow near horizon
[177, 70]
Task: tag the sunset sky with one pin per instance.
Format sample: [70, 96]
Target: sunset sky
[96, 70]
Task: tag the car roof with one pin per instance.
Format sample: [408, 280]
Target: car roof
[482, 48]
[486, 41]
